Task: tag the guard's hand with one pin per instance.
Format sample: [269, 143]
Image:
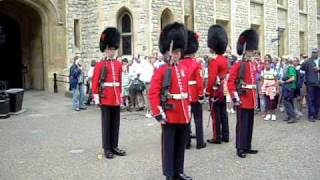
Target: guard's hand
[201, 99]
[236, 102]
[160, 119]
[96, 99]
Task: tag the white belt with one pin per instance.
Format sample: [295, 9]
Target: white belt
[249, 86]
[179, 96]
[192, 82]
[111, 84]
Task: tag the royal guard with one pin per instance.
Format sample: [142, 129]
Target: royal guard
[106, 89]
[242, 89]
[217, 73]
[168, 96]
[195, 83]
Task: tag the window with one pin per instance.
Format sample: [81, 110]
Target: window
[125, 27]
[226, 26]
[166, 18]
[76, 33]
[189, 14]
[258, 30]
[318, 7]
[281, 2]
[302, 42]
[302, 5]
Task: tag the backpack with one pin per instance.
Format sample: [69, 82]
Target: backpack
[137, 85]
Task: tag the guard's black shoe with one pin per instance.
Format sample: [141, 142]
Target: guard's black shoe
[83, 108]
[225, 140]
[188, 146]
[108, 154]
[192, 136]
[118, 152]
[200, 146]
[241, 153]
[212, 141]
[170, 178]
[184, 177]
[251, 151]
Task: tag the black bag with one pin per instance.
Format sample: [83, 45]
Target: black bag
[137, 85]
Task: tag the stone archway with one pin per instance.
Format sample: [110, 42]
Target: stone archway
[42, 51]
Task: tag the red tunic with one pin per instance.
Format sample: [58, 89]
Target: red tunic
[112, 93]
[249, 99]
[180, 114]
[217, 68]
[195, 78]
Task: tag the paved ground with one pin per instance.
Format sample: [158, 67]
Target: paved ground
[49, 141]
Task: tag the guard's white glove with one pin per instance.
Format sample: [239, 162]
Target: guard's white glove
[96, 99]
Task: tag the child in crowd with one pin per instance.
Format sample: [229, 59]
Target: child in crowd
[270, 89]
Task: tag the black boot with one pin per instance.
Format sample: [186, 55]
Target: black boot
[212, 141]
[251, 151]
[184, 177]
[241, 153]
[118, 152]
[108, 154]
[200, 146]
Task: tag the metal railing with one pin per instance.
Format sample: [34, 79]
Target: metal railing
[61, 78]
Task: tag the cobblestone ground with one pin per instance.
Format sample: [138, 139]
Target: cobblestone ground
[50, 141]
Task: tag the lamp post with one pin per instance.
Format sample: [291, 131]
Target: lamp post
[279, 31]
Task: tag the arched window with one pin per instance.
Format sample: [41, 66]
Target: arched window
[125, 28]
[166, 17]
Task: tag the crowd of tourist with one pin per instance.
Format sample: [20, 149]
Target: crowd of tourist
[286, 83]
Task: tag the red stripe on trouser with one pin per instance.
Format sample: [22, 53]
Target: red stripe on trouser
[238, 134]
[214, 123]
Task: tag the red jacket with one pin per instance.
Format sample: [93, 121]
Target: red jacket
[180, 114]
[195, 78]
[111, 92]
[217, 68]
[249, 99]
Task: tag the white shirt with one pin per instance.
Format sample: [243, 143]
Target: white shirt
[147, 72]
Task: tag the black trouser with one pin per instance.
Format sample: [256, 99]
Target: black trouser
[110, 122]
[174, 137]
[196, 110]
[220, 122]
[244, 128]
[288, 103]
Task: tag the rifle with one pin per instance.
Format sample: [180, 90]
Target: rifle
[102, 77]
[242, 69]
[165, 94]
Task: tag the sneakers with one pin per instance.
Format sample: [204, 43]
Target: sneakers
[281, 109]
[268, 117]
[273, 117]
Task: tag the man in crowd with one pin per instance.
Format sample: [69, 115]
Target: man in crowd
[106, 88]
[312, 74]
[77, 85]
[242, 88]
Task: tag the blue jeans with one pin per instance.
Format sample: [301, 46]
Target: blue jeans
[78, 97]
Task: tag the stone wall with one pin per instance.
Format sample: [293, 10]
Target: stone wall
[95, 15]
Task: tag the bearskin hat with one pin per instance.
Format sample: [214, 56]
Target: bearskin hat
[175, 32]
[217, 39]
[110, 38]
[193, 43]
[250, 38]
